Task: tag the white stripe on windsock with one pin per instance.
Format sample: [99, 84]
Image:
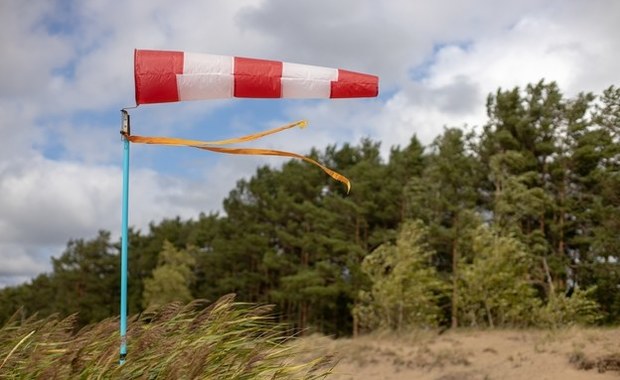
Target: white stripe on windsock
[306, 81]
[206, 76]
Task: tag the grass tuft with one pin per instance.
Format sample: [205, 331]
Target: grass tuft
[222, 340]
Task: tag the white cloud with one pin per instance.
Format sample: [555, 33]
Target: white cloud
[19, 260]
[385, 38]
[459, 76]
[29, 52]
[45, 203]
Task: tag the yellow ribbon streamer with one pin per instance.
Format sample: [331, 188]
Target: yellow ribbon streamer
[213, 146]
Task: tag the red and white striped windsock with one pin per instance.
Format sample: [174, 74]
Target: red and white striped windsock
[171, 76]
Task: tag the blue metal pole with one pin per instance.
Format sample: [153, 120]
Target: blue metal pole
[124, 233]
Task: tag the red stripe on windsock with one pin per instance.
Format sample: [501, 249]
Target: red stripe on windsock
[257, 78]
[156, 75]
[354, 85]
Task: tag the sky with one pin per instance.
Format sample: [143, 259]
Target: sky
[67, 69]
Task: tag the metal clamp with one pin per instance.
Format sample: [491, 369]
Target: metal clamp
[125, 123]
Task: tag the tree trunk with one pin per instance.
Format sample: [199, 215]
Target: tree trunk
[455, 262]
[454, 311]
[400, 317]
[356, 326]
[303, 317]
[489, 315]
[548, 275]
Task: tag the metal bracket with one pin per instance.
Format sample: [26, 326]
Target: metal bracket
[125, 123]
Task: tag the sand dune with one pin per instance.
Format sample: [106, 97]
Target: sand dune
[568, 354]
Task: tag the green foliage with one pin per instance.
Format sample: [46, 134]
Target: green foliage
[224, 340]
[86, 278]
[561, 311]
[495, 290]
[405, 288]
[444, 197]
[172, 278]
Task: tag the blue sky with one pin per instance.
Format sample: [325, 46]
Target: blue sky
[66, 70]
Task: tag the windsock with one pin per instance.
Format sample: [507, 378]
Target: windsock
[172, 76]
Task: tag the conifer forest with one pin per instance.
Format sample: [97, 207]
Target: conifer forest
[513, 223]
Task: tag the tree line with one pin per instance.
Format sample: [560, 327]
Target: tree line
[513, 223]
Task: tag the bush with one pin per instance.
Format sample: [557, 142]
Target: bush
[406, 288]
[560, 311]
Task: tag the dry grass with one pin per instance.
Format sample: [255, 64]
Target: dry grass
[224, 340]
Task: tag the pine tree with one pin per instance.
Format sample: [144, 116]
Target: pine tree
[519, 149]
[600, 267]
[443, 198]
[86, 279]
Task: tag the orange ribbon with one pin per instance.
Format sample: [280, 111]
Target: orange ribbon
[213, 147]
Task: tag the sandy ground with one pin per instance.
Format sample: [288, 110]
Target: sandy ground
[571, 354]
